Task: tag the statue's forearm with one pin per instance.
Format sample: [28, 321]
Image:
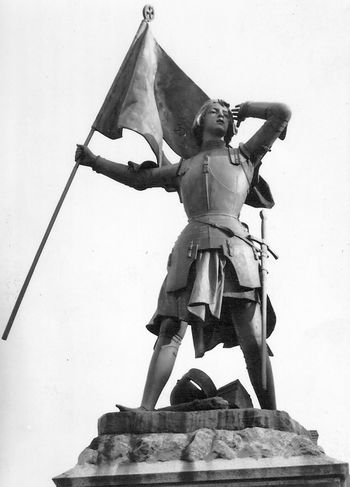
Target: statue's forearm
[276, 115]
[136, 176]
[119, 172]
[266, 111]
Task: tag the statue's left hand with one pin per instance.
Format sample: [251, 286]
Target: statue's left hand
[237, 114]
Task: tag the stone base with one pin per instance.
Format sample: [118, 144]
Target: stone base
[246, 472]
[242, 448]
[146, 422]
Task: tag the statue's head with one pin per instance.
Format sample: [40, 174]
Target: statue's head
[206, 111]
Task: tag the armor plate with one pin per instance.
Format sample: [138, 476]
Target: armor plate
[213, 188]
[212, 182]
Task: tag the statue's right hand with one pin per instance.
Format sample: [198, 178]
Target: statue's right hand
[84, 156]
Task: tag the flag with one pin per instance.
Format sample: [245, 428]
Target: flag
[152, 96]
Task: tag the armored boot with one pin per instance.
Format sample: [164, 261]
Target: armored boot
[266, 397]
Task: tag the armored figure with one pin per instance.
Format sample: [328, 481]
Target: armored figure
[212, 281]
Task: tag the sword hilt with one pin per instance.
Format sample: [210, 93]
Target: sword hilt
[263, 216]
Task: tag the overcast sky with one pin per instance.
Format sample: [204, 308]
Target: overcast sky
[79, 344]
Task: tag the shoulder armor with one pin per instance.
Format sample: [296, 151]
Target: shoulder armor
[234, 157]
[244, 151]
[183, 166]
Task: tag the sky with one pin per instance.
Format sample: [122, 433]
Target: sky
[79, 345]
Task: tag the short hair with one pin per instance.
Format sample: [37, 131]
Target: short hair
[198, 123]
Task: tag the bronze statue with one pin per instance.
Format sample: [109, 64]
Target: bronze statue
[213, 281]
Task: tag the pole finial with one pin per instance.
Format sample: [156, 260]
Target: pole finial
[263, 214]
[148, 13]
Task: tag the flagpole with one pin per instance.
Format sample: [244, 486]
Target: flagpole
[42, 244]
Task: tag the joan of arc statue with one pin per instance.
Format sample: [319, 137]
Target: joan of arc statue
[212, 282]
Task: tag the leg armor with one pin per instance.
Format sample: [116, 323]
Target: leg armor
[163, 360]
[171, 334]
[246, 316]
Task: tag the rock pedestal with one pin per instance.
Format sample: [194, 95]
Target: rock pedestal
[232, 447]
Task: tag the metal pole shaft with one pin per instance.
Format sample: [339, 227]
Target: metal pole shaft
[42, 245]
[263, 299]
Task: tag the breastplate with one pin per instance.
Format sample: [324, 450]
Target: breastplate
[213, 183]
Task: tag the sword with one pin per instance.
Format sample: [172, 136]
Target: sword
[263, 274]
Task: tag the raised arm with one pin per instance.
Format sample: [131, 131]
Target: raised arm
[277, 116]
[140, 177]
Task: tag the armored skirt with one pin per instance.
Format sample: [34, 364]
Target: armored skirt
[209, 288]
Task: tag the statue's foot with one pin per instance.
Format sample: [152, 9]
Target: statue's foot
[124, 408]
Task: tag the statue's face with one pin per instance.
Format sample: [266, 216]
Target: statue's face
[216, 120]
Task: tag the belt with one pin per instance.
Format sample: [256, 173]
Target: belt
[249, 239]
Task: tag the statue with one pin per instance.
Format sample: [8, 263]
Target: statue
[213, 283]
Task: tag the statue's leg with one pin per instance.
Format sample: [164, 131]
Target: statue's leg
[163, 360]
[246, 316]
